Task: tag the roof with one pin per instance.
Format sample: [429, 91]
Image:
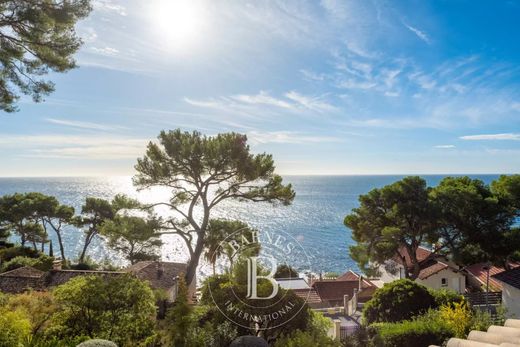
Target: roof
[421, 253]
[510, 277]
[348, 276]
[335, 290]
[311, 296]
[160, 274]
[292, 283]
[479, 272]
[430, 267]
[429, 263]
[25, 272]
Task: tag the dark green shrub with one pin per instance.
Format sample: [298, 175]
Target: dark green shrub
[97, 343]
[43, 263]
[445, 297]
[397, 301]
[7, 254]
[421, 332]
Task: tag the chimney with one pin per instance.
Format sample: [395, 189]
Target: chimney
[160, 270]
[321, 276]
[56, 264]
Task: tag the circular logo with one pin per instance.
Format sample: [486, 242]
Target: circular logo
[259, 288]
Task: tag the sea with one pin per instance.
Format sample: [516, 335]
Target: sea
[314, 219]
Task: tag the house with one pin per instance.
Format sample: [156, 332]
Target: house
[292, 283]
[510, 280]
[477, 276]
[436, 272]
[332, 292]
[161, 275]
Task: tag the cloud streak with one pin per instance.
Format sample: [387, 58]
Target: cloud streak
[492, 137]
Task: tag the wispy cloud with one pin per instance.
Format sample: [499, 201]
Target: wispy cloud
[106, 51]
[444, 146]
[75, 147]
[484, 137]
[263, 137]
[83, 125]
[255, 103]
[420, 34]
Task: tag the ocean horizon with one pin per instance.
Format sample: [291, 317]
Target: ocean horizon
[315, 218]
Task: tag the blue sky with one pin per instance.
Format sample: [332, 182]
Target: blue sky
[330, 87]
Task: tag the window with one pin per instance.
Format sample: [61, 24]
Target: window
[444, 282]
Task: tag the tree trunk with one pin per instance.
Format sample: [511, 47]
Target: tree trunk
[194, 260]
[62, 248]
[88, 239]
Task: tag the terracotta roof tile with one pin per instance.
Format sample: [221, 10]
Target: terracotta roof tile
[480, 273]
[310, 295]
[348, 276]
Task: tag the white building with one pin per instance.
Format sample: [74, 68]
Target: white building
[510, 291]
[435, 271]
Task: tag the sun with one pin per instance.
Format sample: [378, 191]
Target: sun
[179, 23]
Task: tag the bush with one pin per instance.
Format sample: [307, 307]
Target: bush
[397, 301]
[43, 263]
[457, 317]
[14, 328]
[18, 251]
[97, 343]
[421, 332]
[445, 297]
[363, 337]
[120, 308]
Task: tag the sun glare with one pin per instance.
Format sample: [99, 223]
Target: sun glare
[178, 22]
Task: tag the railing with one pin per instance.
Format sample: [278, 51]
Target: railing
[483, 298]
[345, 331]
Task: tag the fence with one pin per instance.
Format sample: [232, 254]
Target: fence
[345, 331]
[483, 298]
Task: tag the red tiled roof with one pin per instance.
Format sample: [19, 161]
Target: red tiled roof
[335, 290]
[511, 277]
[421, 253]
[480, 273]
[348, 276]
[431, 267]
[311, 296]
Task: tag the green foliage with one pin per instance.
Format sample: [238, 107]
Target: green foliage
[444, 297]
[191, 165]
[363, 337]
[97, 343]
[217, 335]
[388, 219]
[7, 254]
[38, 308]
[179, 317]
[15, 328]
[305, 339]
[229, 230]
[120, 308]
[421, 332]
[467, 220]
[397, 301]
[45, 42]
[457, 317]
[228, 286]
[137, 238]
[43, 263]
[285, 271]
